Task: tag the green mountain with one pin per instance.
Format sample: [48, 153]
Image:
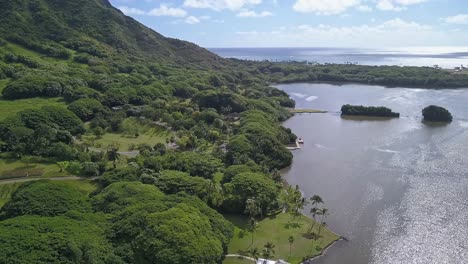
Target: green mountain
[93, 27]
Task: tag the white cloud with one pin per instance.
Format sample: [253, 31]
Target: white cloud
[221, 4]
[394, 32]
[251, 13]
[131, 10]
[192, 20]
[324, 7]
[396, 5]
[461, 19]
[165, 10]
[364, 8]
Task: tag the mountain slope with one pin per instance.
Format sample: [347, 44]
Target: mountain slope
[96, 28]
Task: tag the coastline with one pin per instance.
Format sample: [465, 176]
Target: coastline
[324, 251]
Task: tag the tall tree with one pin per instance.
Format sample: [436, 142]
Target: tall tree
[315, 200]
[324, 214]
[291, 241]
[268, 250]
[113, 154]
[253, 209]
[254, 253]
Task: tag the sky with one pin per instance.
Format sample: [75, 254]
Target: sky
[306, 23]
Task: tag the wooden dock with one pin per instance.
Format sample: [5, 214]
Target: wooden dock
[298, 146]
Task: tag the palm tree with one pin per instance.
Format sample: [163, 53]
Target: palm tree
[316, 200]
[291, 241]
[254, 253]
[314, 211]
[324, 213]
[268, 250]
[252, 208]
[113, 155]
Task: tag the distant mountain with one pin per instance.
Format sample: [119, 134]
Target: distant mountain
[96, 28]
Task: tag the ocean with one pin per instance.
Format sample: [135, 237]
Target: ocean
[445, 57]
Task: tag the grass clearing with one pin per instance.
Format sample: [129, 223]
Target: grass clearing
[277, 229]
[13, 168]
[85, 185]
[150, 136]
[11, 107]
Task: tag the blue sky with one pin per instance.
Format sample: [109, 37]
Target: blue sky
[306, 23]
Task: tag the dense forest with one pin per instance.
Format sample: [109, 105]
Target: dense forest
[359, 110]
[109, 75]
[83, 86]
[391, 76]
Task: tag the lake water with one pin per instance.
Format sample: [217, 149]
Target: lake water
[446, 57]
[396, 189]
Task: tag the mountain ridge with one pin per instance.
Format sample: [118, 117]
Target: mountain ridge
[79, 25]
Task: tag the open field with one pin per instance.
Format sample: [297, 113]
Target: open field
[150, 136]
[277, 229]
[13, 168]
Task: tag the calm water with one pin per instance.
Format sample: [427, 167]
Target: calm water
[397, 189]
[446, 57]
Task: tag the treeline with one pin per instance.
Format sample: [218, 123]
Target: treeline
[407, 76]
[359, 110]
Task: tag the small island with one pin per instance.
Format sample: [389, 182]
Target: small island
[374, 111]
[435, 113]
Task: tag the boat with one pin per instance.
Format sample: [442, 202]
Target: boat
[300, 141]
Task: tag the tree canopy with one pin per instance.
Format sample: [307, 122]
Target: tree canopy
[437, 114]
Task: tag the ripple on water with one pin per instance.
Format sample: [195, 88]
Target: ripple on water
[430, 225]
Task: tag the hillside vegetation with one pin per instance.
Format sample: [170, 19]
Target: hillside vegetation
[173, 133]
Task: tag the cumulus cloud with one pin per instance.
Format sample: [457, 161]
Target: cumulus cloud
[165, 10]
[251, 13]
[192, 20]
[324, 7]
[396, 5]
[219, 5]
[364, 8]
[131, 10]
[396, 31]
[461, 19]
[162, 10]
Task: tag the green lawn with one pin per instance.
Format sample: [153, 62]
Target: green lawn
[9, 108]
[13, 168]
[277, 230]
[150, 136]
